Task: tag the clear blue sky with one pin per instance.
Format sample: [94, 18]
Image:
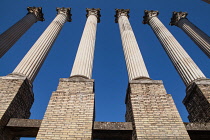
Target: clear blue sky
[109, 69]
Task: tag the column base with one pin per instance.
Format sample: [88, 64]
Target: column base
[16, 99]
[70, 112]
[197, 101]
[153, 112]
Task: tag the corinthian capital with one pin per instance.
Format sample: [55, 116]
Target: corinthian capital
[148, 15]
[37, 11]
[95, 12]
[66, 11]
[121, 12]
[176, 16]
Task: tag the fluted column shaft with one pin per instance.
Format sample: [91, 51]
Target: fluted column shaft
[135, 64]
[83, 63]
[11, 35]
[185, 66]
[33, 60]
[198, 36]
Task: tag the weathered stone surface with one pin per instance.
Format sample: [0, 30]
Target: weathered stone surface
[112, 130]
[198, 131]
[197, 101]
[121, 12]
[95, 12]
[102, 130]
[134, 61]
[16, 99]
[70, 112]
[123, 130]
[197, 126]
[83, 63]
[183, 63]
[16, 122]
[112, 126]
[153, 112]
[23, 127]
[33, 60]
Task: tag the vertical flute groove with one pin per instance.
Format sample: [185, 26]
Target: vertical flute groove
[83, 63]
[12, 35]
[183, 63]
[134, 62]
[33, 60]
[201, 39]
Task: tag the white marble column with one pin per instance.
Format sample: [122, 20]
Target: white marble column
[11, 35]
[33, 60]
[134, 61]
[83, 63]
[201, 39]
[183, 63]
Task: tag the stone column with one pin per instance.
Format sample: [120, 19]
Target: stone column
[183, 63]
[33, 60]
[16, 95]
[11, 36]
[146, 99]
[207, 1]
[199, 37]
[197, 100]
[134, 61]
[70, 112]
[83, 63]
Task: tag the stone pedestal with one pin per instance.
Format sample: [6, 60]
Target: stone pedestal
[16, 99]
[197, 101]
[16, 96]
[197, 96]
[13, 34]
[153, 112]
[70, 112]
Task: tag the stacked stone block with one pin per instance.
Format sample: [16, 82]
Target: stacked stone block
[16, 99]
[153, 112]
[70, 112]
[186, 68]
[197, 101]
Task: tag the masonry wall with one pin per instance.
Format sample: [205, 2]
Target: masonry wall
[153, 112]
[197, 101]
[16, 99]
[70, 112]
